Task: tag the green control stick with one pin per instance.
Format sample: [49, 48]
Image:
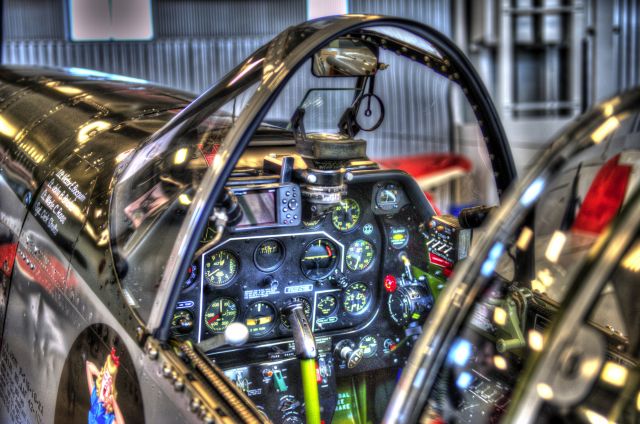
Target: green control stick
[305, 349]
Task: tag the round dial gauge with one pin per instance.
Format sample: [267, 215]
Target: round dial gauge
[269, 255]
[306, 307]
[359, 255]
[260, 318]
[182, 322]
[192, 276]
[387, 198]
[346, 215]
[220, 268]
[220, 313]
[326, 305]
[369, 346]
[408, 304]
[319, 259]
[356, 298]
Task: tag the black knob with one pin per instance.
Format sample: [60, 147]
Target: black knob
[346, 350]
[270, 282]
[339, 281]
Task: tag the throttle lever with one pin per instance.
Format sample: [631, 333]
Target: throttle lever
[305, 350]
[305, 343]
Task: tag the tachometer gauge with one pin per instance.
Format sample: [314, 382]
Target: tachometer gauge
[269, 255]
[346, 215]
[359, 255]
[326, 305]
[319, 259]
[192, 277]
[260, 318]
[306, 307]
[220, 313]
[369, 346]
[220, 268]
[356, 298]
[182, 322]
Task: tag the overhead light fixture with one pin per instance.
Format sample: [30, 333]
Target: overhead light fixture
[594, 418]
[525, 237]
[614, 374]
[536, 341]
[500, 362]
[631, 260]
[544, 391]
[180, 156]
[554, 248]
[605, 129]
[499, 316]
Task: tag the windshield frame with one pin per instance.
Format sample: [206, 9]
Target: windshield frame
[273, 79]
[469, 280]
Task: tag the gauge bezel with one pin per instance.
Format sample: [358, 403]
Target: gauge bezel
[272, 325]
[367, 305]
[376, 344]
[280, 262]
[193, 319]
[388, 207]
[335, 308]
[227, 283]
[333, 266]
[217, 299]
[346, 255]
[356, 224]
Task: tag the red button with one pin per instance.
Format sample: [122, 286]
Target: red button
[390, 283]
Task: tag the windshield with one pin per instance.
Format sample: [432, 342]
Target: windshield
[524, 269]
[156, 186]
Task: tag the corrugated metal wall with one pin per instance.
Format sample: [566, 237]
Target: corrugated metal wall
[196, 42]
[416, 101]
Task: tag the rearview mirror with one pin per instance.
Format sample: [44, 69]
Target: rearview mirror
[345, 57]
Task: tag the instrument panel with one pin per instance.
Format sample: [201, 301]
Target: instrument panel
[332, 270]
[340, 267]
[333, 266]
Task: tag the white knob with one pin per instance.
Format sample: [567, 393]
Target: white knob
[236, 334]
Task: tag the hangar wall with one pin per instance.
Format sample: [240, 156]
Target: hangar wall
[197, 42]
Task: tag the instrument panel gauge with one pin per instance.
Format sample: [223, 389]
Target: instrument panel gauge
[326, 305]
[260, 318]
[410, 303]
[306, 307]
[346, 215]
[359, 255]
[220, 268]
[387, 198]
[356, 298]
[220, 313]
[319, 259]
[269, 255]
[192, 277]
[182, 322]
[369, 346]
[398, 237]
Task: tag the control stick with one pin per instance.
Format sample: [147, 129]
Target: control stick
[236, 334]
[305, 349]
